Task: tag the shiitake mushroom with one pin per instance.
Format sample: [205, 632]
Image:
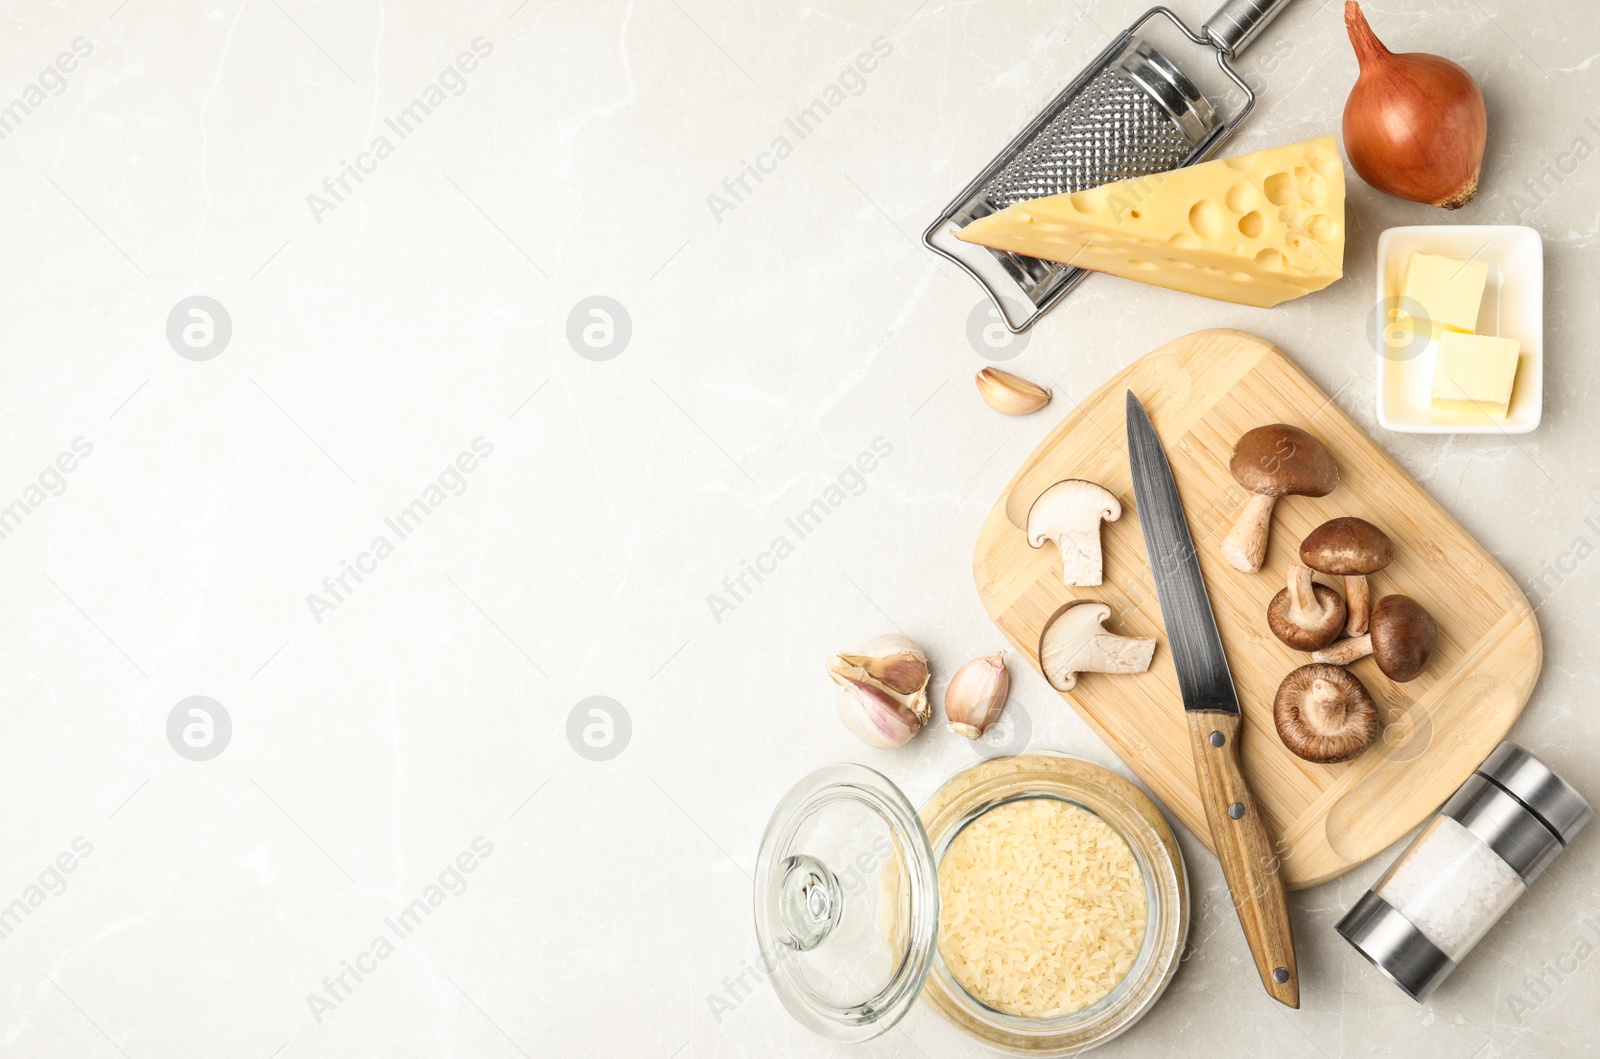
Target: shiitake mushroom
[1324, 714]
[1401, 640]
[1350, 548]
[1273, 461]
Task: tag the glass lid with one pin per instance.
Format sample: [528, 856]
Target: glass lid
[846, 903]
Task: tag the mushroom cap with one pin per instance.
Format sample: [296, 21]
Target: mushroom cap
[1403, 637]
[1324, 714]
[1347, 546]
[1281, 460]
[1073, 504]
[1307, 637]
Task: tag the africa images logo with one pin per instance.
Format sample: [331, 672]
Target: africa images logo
[52, 79]
[452, 81]
[452, 481]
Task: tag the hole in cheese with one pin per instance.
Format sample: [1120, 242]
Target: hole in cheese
[1311, 189]
[1280, 189]
[1240, 197]
[1272, 258]
[1206, 219]
[1251, 224]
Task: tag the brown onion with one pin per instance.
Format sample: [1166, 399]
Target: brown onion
[1414, 125]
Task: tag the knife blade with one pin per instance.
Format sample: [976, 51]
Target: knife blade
[1211, 707]
[1204, 679]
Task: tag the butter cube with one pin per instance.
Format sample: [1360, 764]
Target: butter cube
[1475, 373]
[1447, 291]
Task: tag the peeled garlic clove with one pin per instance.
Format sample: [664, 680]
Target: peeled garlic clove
[874, 717]
[1011, 394]
[977, 694]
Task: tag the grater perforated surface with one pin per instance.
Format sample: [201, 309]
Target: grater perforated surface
[1111, 130]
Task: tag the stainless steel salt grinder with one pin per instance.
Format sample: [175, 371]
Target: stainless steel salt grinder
[1484, 848]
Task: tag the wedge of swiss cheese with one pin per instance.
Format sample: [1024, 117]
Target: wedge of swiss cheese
[1257, 229]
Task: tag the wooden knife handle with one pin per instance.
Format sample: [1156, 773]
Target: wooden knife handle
[1248, 860]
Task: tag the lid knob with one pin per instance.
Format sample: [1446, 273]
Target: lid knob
[811, 901]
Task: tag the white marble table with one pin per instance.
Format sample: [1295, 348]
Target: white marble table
[392, 526]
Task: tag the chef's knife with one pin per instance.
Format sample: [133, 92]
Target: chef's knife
[1212, 708]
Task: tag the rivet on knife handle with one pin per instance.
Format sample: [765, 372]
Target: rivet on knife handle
[1248, 860]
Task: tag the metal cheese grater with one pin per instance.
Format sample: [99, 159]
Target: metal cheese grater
[1133, 112]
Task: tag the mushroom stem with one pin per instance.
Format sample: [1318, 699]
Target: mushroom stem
[1304, 609]
[1324, 704]
[1245, 546]
[1345, 651]
[1358, 599]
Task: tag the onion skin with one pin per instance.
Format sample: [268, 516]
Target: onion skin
[1415, 124]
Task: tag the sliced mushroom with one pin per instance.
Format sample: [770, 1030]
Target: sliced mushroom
[1324, 714]
[1305, 615]
[1073, 642]
[1401, 639]
[1350, 548]
[1070, 514]
[1273, 461]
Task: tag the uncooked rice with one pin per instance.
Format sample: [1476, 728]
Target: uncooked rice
[1042, 908]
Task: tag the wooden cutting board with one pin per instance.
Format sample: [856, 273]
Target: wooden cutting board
[1202, 392]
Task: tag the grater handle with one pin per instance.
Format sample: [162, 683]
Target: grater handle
[1238, 22]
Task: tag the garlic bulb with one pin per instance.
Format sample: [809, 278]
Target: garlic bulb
[977, 694]
[883, 690]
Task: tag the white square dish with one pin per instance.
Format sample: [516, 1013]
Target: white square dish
[1513, 307]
